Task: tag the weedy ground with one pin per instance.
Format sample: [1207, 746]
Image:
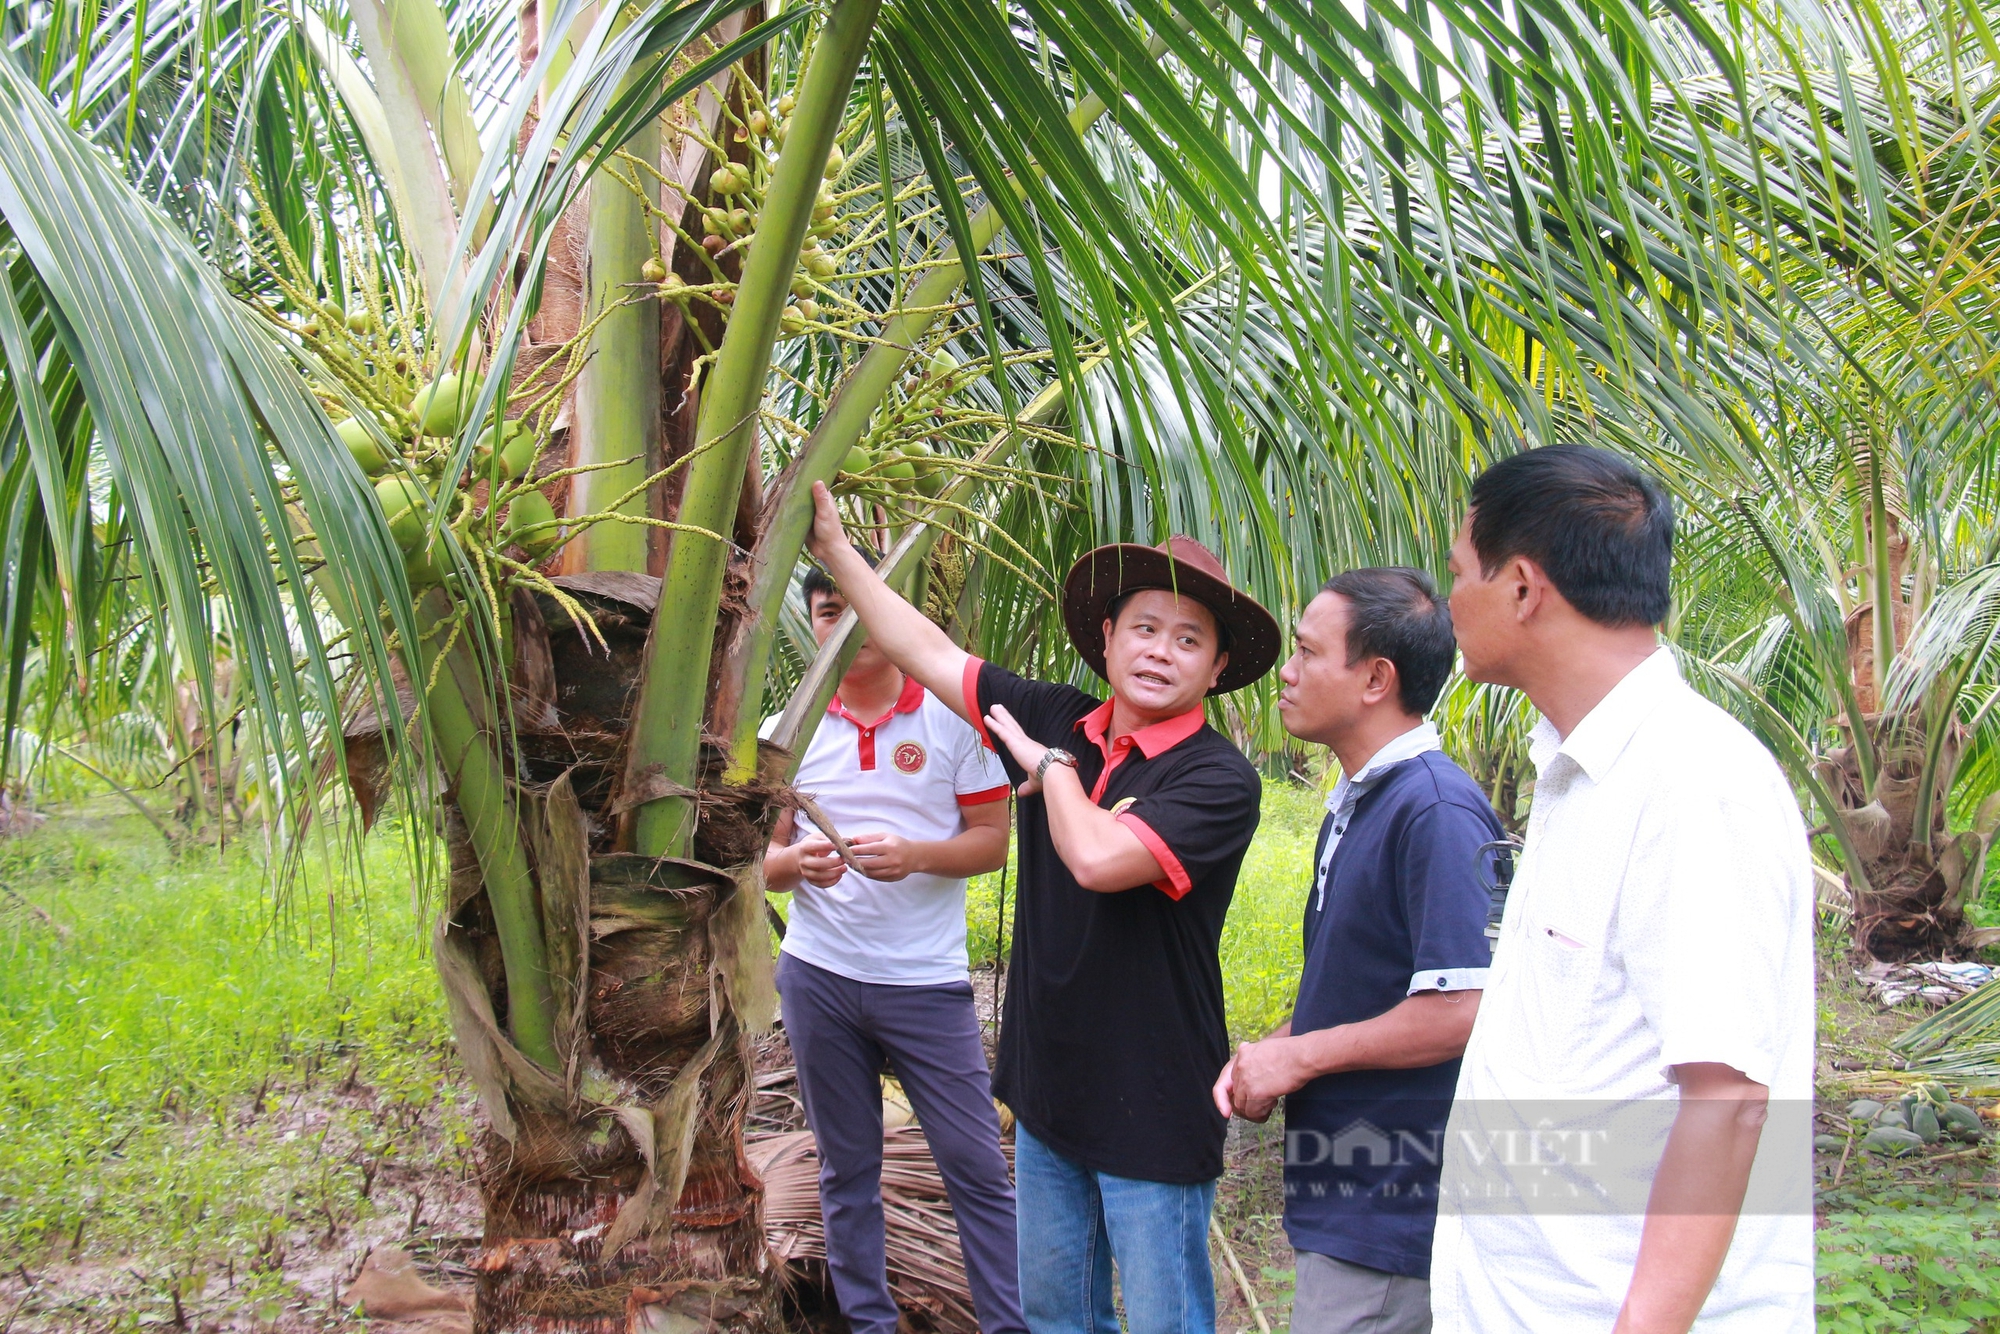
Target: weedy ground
[214, 1101]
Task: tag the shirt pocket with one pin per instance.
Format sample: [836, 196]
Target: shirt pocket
[1563, 962]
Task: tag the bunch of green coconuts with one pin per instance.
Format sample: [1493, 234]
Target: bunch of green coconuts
[893, 462]
[1919, 1118]
[729, 225]
[409, 478]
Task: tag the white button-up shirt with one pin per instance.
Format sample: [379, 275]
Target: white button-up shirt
[1661, 915]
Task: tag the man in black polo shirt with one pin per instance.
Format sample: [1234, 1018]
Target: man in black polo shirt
[1134, 818]
[1395, 958]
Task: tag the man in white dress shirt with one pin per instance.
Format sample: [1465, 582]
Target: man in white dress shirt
[1629, 1149]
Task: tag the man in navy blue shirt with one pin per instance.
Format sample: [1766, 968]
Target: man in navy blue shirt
[1395, 956]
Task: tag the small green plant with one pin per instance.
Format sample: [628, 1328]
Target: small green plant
[1923, 1270]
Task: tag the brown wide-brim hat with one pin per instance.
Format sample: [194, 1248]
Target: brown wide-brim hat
[1179, 565]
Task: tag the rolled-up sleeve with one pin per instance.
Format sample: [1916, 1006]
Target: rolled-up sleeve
[1445, 899]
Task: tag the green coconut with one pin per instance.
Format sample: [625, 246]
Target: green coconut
[858, 460]
[440, 406]
[362, 444]
[421, 570]
[407, 506]
[836, 162]
[1924, 1121]
[822, 265]
[517, 453]
[901, 474]
[530, 510]
[791, 322]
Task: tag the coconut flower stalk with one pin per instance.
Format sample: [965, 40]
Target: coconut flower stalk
[673, 693]
[854, 405]
[617, 415]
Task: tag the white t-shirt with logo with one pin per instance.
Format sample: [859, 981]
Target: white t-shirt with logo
[910, 772]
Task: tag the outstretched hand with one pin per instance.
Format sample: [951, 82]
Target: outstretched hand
[1027, 751]
[828, 533]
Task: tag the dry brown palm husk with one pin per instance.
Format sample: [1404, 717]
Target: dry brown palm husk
[926, 1268]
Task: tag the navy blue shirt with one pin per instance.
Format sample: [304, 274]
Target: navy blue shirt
[1404, 910]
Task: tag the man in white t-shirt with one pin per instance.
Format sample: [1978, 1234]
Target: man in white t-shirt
[873, 969]
[1629, 1150]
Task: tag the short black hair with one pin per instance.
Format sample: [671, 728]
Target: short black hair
[1602, 530]
[1395, 612]
[817, 580]
[1111, 614]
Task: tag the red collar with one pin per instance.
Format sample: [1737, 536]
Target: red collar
[1152, 740]
[909, 701]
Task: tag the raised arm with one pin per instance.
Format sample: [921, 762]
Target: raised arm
[905, 635]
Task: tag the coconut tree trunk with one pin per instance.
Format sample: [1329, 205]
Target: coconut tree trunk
[603, 1003]
[1918, 875]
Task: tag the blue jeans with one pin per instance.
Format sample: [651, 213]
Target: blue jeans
[1076, 1223]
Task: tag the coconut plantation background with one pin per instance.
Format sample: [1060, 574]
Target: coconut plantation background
[408, 422]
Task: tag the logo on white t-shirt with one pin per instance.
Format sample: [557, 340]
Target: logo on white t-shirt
[908, 757]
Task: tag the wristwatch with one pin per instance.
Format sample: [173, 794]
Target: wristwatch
[1053, 755]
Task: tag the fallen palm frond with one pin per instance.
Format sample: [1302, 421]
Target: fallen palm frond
[926, 1267]
[1967, 1031]
[1975, 1060]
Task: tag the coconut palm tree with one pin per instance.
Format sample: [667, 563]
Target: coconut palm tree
[1840, 574]
[595, 294]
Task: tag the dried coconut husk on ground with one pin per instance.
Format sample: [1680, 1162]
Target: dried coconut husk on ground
[926, 1267]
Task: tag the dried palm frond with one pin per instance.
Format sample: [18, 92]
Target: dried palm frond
[1970, 1020]
[926, 1267]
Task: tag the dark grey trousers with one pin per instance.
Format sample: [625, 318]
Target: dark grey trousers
[840, 1031]
[1337, 1297]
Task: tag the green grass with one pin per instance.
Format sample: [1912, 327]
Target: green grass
[192, 1084]
[159, 1020]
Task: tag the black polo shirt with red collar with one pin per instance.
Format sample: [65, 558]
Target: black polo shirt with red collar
[1113, 1031]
